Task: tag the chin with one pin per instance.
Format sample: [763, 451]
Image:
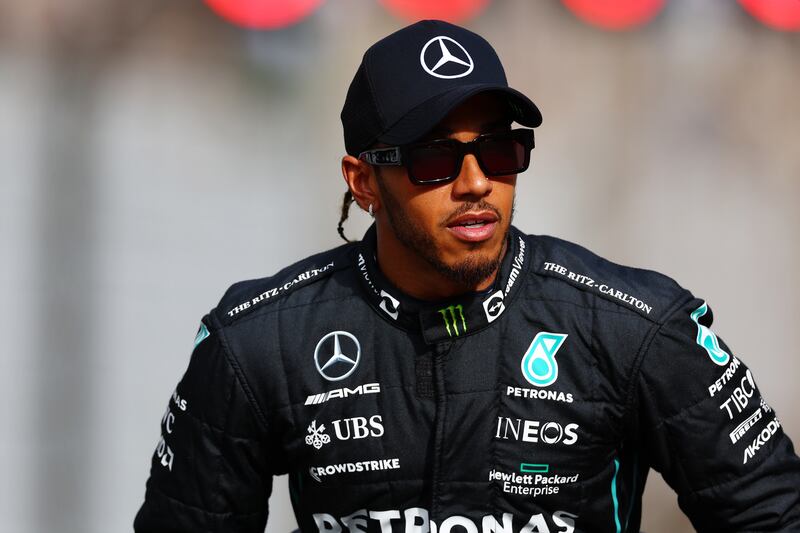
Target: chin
[471, 263]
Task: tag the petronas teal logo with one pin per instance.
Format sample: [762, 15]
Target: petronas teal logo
[539, 365]
[202, 334]
[453, 317]
[707, 339]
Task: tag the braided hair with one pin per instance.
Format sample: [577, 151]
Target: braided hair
[346, 202]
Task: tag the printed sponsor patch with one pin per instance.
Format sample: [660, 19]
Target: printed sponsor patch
[607, 291]
[707, 339]
[275, 291]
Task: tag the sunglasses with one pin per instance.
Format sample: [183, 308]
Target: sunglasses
[439, 161]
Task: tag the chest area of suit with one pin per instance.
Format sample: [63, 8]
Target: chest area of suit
[528, 408]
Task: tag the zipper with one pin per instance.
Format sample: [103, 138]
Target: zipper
[441, 349]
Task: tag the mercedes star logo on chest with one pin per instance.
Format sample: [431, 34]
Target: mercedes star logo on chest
[445, 58]
[336, 355]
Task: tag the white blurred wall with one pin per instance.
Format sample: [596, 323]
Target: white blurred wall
[153, 155]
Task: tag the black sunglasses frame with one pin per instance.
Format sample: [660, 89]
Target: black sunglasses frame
[399, 155]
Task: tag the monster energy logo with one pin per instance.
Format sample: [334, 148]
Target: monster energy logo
[450, 320]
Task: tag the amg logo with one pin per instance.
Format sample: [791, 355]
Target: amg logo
[367, 388]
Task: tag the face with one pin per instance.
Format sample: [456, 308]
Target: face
[459, 228]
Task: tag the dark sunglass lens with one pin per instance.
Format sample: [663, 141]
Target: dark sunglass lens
[503, 155]
[433, 162]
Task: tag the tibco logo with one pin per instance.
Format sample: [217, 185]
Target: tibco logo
[535, 431]
[367, 388]
[740, 397]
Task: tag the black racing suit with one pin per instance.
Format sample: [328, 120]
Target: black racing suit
[538, 405]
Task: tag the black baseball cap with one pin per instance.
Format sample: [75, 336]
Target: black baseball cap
[410, 80]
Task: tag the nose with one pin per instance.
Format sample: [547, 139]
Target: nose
[471, 182]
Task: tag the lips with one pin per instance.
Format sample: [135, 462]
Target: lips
[474, 227]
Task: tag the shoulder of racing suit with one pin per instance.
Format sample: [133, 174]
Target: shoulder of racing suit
[590, 280]
[647, 293]
[298, 281]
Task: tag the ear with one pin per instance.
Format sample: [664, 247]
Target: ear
[360, 179]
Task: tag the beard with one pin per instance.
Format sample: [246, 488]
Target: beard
[469, 271]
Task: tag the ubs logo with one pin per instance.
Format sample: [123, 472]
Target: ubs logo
[355, 428]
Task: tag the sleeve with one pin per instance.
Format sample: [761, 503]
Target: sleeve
[209, 471]
[708, 430]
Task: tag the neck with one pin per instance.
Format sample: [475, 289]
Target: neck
[415, 276]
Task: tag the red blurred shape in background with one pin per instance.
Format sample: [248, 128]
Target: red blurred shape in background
[449, 10]
[777, 14]
[615, 14]
[264, 14]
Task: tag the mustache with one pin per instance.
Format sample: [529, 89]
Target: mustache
[466, 207]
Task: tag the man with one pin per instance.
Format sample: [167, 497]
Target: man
[450, 373]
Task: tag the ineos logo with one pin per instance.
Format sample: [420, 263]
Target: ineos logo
[442, 63]
[333, 361]
[536, 431]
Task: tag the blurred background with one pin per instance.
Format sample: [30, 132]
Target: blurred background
[152, 153]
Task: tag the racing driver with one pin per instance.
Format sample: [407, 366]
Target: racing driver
[449, 373]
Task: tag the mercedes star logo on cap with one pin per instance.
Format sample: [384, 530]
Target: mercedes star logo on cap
[338, 358]
[446, 61]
